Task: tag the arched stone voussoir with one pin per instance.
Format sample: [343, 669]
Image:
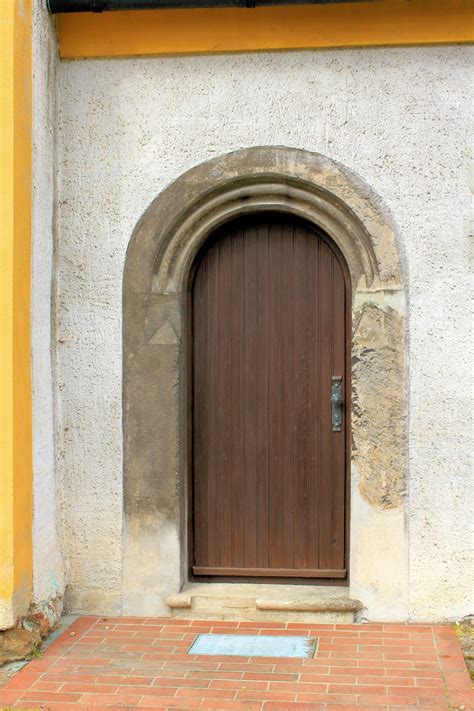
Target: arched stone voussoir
[279, 179]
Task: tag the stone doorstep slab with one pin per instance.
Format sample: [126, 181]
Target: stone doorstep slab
[267, 616]
[232, 602]
[313, 604]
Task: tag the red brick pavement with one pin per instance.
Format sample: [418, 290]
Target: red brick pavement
[121, 662]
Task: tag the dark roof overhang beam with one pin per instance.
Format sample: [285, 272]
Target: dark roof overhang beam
[66, 6]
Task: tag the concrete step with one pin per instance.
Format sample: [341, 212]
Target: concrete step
[253, 602]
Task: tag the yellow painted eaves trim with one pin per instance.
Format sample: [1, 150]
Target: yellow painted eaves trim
[161, 32]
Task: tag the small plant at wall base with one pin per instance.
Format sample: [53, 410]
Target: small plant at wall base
[36, 653]
[465, 633]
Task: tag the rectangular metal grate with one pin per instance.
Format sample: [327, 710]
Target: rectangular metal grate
[254, 645]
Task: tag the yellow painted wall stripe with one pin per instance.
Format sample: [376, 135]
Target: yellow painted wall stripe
[383, 22]
[6, 300]
[22, 395]
[15, 263]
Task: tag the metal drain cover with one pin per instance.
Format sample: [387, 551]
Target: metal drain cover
[254, 645]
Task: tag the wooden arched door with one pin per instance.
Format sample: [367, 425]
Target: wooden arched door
[269, 347]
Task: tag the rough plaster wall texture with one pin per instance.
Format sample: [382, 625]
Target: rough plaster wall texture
[397, 117]
[47, 565]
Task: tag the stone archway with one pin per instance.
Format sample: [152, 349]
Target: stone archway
[159, 260]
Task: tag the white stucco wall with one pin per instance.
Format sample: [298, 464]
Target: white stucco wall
[47, 565]
[399, 118]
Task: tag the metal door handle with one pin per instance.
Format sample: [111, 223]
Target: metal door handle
[336, 403]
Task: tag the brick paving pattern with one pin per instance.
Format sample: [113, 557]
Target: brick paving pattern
[122, 662]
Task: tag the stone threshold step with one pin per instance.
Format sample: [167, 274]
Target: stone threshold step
[264, 602]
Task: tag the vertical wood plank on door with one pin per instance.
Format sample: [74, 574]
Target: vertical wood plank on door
[225, 472]
[301, 423]
[207, 474]
[236, 377]
[325, 427]
[288, 393]
[202, 434]
[250, 397]
[275, 409]
[338, 449]
[263, 389]
[314, 417]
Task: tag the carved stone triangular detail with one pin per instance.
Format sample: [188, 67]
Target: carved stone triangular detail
[165, 335]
